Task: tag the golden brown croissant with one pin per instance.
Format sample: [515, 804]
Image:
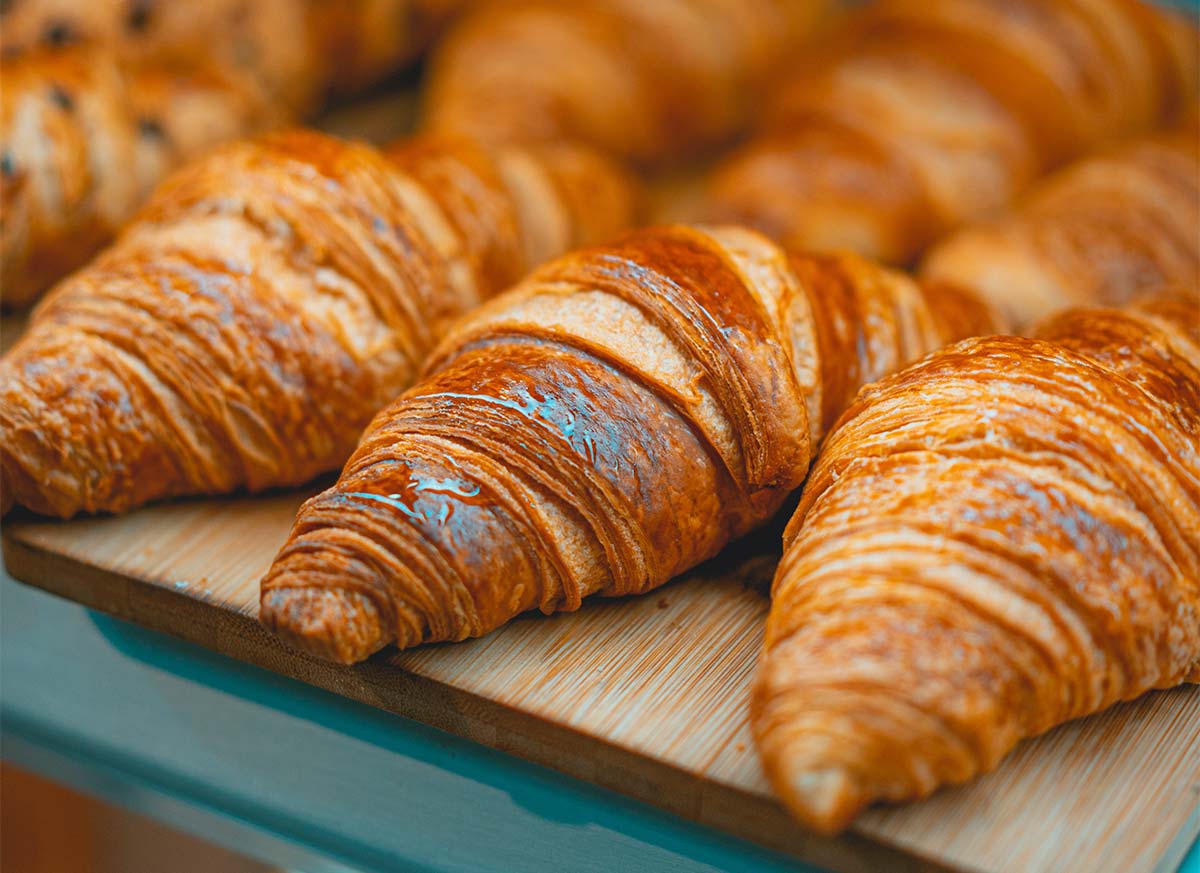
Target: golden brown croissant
[925, 114]
[645, 81]
[613, 420]
[296, 49]
[266, 302]
[1093, 233]
[84, 139]
[996, 540]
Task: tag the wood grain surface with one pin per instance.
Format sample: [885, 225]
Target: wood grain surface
[647, 696]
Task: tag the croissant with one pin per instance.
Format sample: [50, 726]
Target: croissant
[83, 140]
[296, 49]
[924, 114]
[266, 303]
[611, 421]
[1092, 233]
[996, 540]
[643, 81]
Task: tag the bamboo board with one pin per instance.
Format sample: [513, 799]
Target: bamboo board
[647, 696]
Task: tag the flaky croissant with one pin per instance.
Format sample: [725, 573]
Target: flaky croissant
[1093, 233]
[644, 81]
[996, 540]
[925, 114]
[613, 420]
[296, 49]
[84, 138]
[266, 303]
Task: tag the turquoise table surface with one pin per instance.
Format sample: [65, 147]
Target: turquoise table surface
[301, 778]
[298, 777]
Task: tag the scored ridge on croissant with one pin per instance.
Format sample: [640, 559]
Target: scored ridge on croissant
[998, 539]
[266, 303]
[610, 422]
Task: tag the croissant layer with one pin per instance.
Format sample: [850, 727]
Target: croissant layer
[103, 98]
[265, 304]
[920, 116]
[1093, 233]
[996, 540]
[85, 137]
[613, 420]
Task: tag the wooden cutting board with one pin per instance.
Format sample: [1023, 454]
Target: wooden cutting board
[647, 696]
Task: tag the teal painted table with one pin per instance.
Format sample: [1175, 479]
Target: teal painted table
[298, 777]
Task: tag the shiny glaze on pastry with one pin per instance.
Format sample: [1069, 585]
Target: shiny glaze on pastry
[266, 303]
[610, 422]
[998, 539]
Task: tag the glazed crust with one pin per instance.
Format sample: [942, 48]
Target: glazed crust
[615, 419]
[84, 138]
[924, 115]
[644, 81]
[265, 304]
[1093, 233]
[994, 541]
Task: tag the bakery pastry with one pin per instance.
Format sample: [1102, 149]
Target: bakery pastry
[102, 98]
[925, 114]
[1093, 233]
[996, 540]
[269, 299]
[84, 138]
[644, 81]
[610, 422]
[297, 50]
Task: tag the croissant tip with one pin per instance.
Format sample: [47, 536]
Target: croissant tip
[825, 800]
[330, 623]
